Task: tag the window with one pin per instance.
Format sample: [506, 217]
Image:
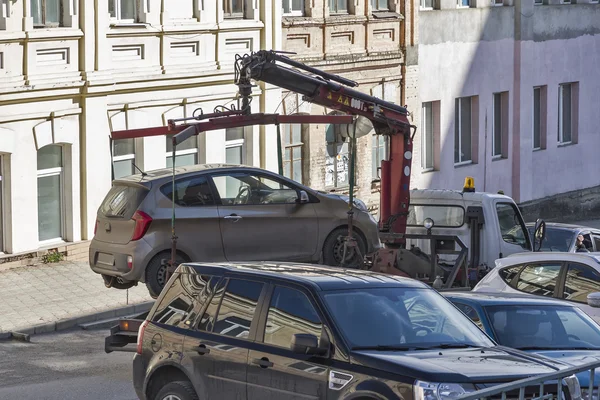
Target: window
[207, 321]
[380, 5]
[245, 189]
[293, 7]
[442, 216]
[587, 242]
[233, 8]
[427, 4]
[338, 6]
[596, 238]
[512, 226]
[537, 118]
[509, 274]
[190, 192]
[237, 308]
[122, 201]
[46, 13]
[183, 300]
[123, 151]
[462, 131]
[550, 327]
[580, 281]
[235, 146]
[471, 313]
[337, 167]
[500, 125]
[427, 153]
[498, 2]
[290, 312]
[292, 152]
[463, 3]
[538, 2]
[565, 113]
[539, 279]
[186, 152]
[50, 192]
[379, 153]
[123, 10]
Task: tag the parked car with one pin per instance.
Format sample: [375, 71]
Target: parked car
[549, 327]
[223, 213]
[567, 276]
[288, 331]
[561, 237]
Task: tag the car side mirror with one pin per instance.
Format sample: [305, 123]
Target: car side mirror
[305, 343]
[539, 234]
[593, 299]
[303, 197]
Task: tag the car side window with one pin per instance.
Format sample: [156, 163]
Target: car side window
[190, 192]
[179, 305]
[290, 312]
[580, 281]
[587, 242]
[253, 189]
[509, 274]
[596, 242]
[237, 308]
[539, 279]
[471, 313]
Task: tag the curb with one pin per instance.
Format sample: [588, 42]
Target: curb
[64, 324]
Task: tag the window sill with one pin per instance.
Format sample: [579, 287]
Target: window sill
[499, 158]
[129, 25]
[463, 164]
[58, 32]
[566, 144]
[387, 14]
[426, 8]
[428, 170]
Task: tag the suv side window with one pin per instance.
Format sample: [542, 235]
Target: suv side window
[290, 312]
[253, 189]
[580, 281]
[539, 279]
[237, 308]
[471, 313]
[190, 192]
[207, 321]
[179, 305]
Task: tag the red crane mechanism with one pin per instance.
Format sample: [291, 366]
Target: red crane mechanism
[327, 90]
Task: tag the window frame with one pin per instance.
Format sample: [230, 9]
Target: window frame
[335, 10]
[561, 132]
[538, 97]
[292, 12]
[229, 144]
[513, 283]
[424, 7]
[458, 129]
[117, 18]
[42, 14]
[459, 4]
[2, 194]
[375, 6]
[497, 3]
[289, 144]
[563, 279]
[497, 114]
[195, 150]
[376, 146]
[425, 140]
[124, 157]
[335, 171]
[234, 15]
[60, 172]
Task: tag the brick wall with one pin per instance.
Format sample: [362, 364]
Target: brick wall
[70, 252]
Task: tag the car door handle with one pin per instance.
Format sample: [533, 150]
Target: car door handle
[262, 362]
[233, 217]
[202, 350]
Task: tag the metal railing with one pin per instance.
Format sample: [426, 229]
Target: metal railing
[563, 377]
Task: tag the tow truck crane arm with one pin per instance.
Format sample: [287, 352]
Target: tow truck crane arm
[334, 92]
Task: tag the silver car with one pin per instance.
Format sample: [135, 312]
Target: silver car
[223, 213]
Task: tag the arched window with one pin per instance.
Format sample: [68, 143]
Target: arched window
[50, 185]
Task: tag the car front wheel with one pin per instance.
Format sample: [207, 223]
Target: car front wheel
[179, 390]
[333, 249]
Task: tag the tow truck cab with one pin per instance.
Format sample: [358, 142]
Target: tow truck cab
[489, 225]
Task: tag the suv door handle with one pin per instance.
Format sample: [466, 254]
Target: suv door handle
[262, 362]
[233, 217]
[202, 350]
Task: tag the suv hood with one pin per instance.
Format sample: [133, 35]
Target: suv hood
[471, 365]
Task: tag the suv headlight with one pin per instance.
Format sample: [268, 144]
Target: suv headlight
[439, 391]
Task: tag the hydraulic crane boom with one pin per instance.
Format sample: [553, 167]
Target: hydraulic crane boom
[332, 91]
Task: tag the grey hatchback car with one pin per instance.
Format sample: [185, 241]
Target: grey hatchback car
[223, 213]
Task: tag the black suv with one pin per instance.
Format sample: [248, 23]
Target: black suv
[290, 331]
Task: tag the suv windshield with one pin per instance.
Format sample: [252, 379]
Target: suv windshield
[401, 318]
[544, 327]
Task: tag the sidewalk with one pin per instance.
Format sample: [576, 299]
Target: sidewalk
[48, 293]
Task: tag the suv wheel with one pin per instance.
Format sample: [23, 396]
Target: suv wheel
[156, 272]
[179, 390]
[333, 249]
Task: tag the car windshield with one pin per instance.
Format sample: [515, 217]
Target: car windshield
[556, 239]
[543, 327]
[399, 318]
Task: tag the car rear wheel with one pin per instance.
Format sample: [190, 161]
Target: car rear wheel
[156, 272]
[179, 390]
[333, 249]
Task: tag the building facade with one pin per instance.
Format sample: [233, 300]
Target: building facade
[371, 42]
[509, 94]
[73, 70]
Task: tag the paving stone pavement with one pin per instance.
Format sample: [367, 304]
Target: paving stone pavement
[49, 293]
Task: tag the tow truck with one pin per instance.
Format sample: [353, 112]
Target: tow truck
[405, 228]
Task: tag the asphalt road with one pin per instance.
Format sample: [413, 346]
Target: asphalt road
[64, 366]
